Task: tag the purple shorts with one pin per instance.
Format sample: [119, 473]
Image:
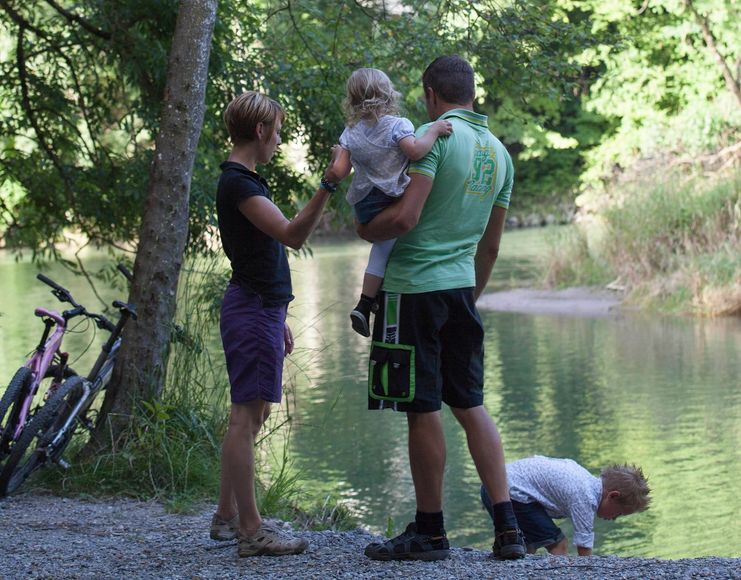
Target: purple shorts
[254, 345]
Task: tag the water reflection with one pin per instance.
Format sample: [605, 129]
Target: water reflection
[659, 392]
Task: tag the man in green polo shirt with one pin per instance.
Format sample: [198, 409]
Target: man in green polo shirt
[428, 337]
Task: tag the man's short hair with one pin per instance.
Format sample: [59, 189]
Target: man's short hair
[247, 110]
[451, 77]
[630, 482]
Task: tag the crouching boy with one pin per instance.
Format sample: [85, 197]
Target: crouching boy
[542, 488]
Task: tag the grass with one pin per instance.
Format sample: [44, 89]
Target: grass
[173, 453]
[674, 244]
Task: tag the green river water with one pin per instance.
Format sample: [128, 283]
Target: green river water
[663, 393]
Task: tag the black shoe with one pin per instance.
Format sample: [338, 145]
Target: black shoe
[509, 545]
[410, 545]
[360, 317]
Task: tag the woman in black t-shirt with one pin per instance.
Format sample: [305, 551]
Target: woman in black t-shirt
[255, 233]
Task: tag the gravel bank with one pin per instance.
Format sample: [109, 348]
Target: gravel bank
[580, 302]
[50, 537]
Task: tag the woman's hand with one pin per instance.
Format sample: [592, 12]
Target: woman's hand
[287, 339]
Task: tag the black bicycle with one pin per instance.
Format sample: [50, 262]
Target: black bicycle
[68, 407]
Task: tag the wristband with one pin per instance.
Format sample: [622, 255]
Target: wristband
[330, 187]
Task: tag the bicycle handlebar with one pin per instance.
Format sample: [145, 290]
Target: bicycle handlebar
[62, 294]
[102, 321]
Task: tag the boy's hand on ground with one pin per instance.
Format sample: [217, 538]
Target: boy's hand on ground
[443, 128]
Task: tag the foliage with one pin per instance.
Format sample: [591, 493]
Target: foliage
[82, 88]
[673, 240]
[663, 89]
[572, 261]
[577, 90]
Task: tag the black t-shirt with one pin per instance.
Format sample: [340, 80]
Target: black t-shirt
[259, 262]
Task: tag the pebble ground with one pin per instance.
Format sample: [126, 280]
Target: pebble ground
[50, 537]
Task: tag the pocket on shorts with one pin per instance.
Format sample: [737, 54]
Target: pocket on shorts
[391, 372]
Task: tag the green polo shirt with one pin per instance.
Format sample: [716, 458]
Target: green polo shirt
[471, 172]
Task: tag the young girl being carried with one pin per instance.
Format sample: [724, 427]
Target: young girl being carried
[378, 145]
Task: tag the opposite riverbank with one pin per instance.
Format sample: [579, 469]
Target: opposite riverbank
[581, 301]
[51, 537]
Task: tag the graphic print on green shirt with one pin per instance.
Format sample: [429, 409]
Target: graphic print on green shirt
[483, 172]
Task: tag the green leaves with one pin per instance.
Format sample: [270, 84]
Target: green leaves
[82, 89]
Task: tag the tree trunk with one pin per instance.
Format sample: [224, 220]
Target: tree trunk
[142, 361]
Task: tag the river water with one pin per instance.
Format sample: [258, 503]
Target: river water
[663, 393]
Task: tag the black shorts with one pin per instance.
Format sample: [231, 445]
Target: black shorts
[539, 529]
[427, 349]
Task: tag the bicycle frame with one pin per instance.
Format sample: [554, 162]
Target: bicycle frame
[90, 386]
[41, 359]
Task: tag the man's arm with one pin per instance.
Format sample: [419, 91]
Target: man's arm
[401, 216]
[583, 551]
[488, 248]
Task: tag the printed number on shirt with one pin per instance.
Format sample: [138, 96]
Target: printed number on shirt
[484, 172]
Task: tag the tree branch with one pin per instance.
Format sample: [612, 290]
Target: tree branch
[19, 20]
[28, 109]
[731, 83]
[72, 17]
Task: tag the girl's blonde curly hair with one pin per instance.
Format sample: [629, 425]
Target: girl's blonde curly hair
[370, 95]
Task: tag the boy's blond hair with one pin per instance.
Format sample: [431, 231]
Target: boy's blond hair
[247, 110]
[370, 95]
[630, 482]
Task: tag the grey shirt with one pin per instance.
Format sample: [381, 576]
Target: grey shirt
[563, 487]
[376, 157]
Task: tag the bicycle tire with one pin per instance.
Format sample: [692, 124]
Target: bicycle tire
[9, 407]
[25, 459]
[76, 391]
[11, 402]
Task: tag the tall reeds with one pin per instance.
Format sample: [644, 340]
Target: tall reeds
[672, 242]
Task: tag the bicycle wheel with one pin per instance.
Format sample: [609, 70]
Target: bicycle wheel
[76, 388]
[13, 399]
[31, 450]
[10, 405]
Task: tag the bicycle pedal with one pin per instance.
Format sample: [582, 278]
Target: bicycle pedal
[63, 464]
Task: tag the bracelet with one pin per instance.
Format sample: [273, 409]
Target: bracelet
[330, 187]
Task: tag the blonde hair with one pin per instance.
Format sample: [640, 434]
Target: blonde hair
[630, 482]
[370, 95]
[245, 111]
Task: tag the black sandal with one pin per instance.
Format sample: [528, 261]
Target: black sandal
[410, 545]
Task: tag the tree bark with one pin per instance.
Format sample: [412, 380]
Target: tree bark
[731, 83]
[142, 360]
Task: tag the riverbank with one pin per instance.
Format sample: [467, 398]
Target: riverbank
[50, 537]
[581, 301]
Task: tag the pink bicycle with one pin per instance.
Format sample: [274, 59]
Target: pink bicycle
[50, 421]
